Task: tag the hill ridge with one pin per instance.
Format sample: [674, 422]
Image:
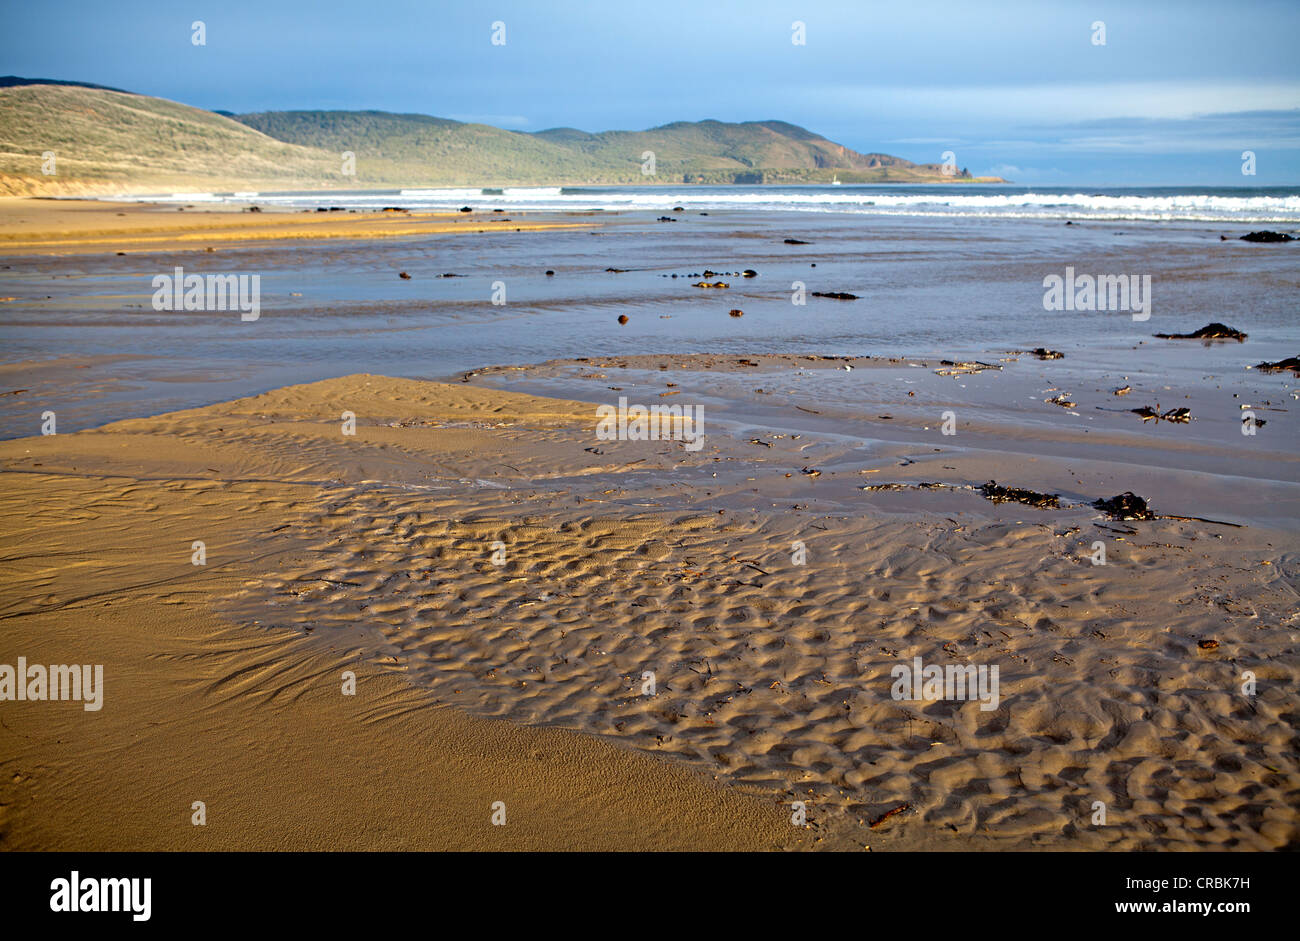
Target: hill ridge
[107, 140]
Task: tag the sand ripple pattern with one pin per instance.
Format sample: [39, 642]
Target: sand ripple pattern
[776, 677]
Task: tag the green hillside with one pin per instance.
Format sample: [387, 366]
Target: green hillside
[401, 148]
[422, 150]
[108, 141]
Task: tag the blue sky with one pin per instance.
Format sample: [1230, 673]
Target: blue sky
[1175, 95]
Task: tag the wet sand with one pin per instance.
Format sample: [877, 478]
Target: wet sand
[69, 226]
[503, 582]
[98, 529]
[375, 552]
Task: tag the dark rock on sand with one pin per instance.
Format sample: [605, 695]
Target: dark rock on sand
[1126, 506]
[465, 209]
[1211, 331]
[1044, 353]
[736, 312]
[404, 276]
[1291, 362]
[1264, 236]
[622, 318]
[1043, 501]
[836, 295]
[795, 242]
[550, 272]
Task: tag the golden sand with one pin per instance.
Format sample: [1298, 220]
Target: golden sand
[48, 226]
[374, 552]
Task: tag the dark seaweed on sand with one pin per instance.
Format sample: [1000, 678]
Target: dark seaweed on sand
[1211, 331]
[1126, 506]
[998, 494]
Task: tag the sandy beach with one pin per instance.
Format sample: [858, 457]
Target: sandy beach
[98, 530]
[357, 612]
[73, 226]
[373, 552]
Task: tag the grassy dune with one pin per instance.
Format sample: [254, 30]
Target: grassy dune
[106, 141]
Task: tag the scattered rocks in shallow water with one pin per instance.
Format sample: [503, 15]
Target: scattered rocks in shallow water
[1062, 400]
[1211, 331]
[404, 276]
[667, 219]
[737, 312]
[1177, 415]
[622, 318]
[1291, 362]
[710, 284]
[1043, 501]
[1126, 506]
[1044, 353]
[836, 295]
[1265, 236]
[795, 242]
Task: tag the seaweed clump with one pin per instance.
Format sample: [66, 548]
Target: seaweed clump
[998, 494]
[1125, 506]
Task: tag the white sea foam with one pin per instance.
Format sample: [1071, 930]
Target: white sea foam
[436, 194]
[1134, 205]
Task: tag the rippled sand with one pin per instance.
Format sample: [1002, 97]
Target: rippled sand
[482, 556]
